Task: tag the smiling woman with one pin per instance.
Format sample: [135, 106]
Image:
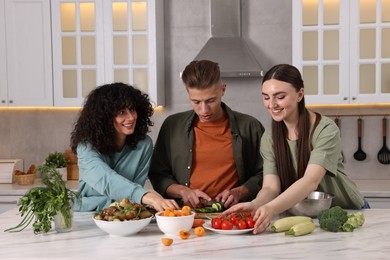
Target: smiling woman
[113, 148]
[301, 152]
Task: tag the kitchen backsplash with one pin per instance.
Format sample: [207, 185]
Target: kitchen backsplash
[32, 134]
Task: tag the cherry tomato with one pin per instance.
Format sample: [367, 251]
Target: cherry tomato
[226, 225]
[216, 223]
[234, 219]
[242, 224]
[246, 214]
[250, 222]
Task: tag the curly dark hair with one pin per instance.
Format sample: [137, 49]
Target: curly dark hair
[95, 122]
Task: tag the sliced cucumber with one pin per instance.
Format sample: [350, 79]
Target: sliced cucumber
[217, 206]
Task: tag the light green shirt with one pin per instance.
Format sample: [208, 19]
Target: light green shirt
[326, 152]
[104, 179]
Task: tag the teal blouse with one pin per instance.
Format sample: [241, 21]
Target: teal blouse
[104, 179]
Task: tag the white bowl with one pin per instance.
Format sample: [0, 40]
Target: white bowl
[173, 225]
[122, 228]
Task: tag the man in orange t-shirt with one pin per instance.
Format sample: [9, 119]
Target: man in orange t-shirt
[210, 152]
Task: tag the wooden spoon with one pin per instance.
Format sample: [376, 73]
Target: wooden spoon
[359, 155]
[384, 153]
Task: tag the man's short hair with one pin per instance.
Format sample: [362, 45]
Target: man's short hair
[201, 74]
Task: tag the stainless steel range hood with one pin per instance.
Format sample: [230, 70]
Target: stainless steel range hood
[226, 46]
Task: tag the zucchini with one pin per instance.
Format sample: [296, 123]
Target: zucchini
[286, 223]
[301, 229]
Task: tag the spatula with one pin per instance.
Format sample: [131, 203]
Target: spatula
[384, 153]
[360, 155]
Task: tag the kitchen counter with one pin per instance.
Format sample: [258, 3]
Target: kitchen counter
[86, 240]
[374, 188]
[369, 188]
[14, 189]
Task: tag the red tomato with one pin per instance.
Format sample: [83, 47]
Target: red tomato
[216, 223]
[250, 222]
[226, 225]
[234, 219]
[242, 224]
[246, 214]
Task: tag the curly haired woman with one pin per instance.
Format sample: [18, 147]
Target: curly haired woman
[113, 148]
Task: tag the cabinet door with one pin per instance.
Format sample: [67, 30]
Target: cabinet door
[343, 50]
[78, 56]
[3, 59]
[134, 45]
[320, 49]
[370, 51]
[100, 42]
[28, 43]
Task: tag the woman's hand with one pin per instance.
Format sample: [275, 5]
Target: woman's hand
[158, 202]
[263, 218]
[244, 206]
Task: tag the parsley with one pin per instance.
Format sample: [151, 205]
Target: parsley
[40, 204]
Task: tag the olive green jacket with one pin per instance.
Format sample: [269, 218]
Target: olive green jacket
[172, 157]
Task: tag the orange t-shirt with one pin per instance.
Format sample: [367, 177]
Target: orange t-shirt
[213, 165]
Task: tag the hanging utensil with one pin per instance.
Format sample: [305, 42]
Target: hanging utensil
[337, 121]
[384, 153]
[360, 155]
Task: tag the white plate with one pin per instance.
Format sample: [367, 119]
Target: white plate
[234, 231]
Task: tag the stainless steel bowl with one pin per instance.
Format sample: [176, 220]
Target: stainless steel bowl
[313, 204]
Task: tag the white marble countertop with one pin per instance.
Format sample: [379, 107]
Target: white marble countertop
[369, 188]
[87, 241]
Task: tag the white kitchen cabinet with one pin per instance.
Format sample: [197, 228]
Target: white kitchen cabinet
[3, 60]
[342, 48]
[100, 42]
[25, 49]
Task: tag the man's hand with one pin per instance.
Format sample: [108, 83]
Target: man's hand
[233, 196]
[193, 198]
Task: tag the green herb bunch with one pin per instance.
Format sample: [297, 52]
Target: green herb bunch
[40, 204]
[56, 160]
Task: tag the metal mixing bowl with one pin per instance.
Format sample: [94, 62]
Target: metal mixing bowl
[313, 204]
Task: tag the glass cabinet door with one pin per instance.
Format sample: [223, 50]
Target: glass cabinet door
[343, 50]
[129, 36]
[321, 49]
[370, 60]
[78, 66]
[103, 42]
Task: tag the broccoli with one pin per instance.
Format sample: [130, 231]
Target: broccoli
[332, 219]
[354, 220]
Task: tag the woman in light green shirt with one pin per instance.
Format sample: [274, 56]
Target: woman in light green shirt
[301, 152]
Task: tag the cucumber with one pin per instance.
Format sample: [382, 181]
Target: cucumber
[205, 210]
[217, 206]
